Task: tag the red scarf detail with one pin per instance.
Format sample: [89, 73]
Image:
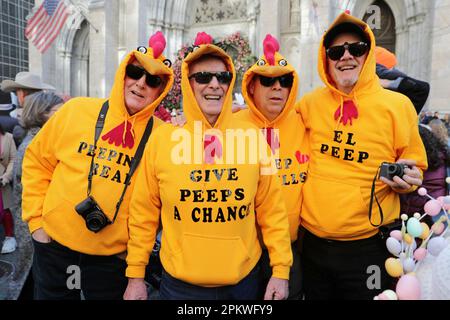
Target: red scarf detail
[350, 112]
[212, 147]
[272, 139]
[115, 136]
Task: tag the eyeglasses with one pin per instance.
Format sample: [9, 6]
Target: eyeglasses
[285, 80]
[206, 77]
[356, 49]
[136, 72]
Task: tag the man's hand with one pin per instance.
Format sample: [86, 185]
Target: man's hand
[412, 177]
[385, 83]
[136, 289]
[277, 289]
[41, 236]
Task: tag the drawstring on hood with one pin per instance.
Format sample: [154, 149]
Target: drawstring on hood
[203, 45]
[155, 63]
[368, 81]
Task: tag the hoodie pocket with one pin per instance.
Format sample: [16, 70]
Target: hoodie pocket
[211, 261]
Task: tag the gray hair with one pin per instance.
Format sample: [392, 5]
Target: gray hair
[36, 107]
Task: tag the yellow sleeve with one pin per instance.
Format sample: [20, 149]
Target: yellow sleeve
[39, 162]
[272, 218]
[144, 216]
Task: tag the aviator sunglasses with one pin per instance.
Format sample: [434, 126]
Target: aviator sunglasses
[285, 80]
[135, 73]
[356, 49]
[206, 77]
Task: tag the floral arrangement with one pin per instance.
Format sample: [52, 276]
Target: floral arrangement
[235, 45]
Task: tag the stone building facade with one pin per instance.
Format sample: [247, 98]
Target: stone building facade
[84, 58]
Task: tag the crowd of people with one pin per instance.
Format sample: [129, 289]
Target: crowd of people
[94, 181]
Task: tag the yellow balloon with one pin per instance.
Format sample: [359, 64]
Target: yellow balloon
[408, 239]
[425, 232]
[394, 267]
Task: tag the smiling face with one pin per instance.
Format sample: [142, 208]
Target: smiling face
[345, 71]
[269, 100]
[211, 96]
[138, 94]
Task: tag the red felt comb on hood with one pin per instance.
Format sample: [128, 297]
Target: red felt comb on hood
[271, 46]
[158, 43]
[203, 38]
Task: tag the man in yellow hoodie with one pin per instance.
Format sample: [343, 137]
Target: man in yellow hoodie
[76, 180]
[208, 202]
[353, 125]
[270, 90]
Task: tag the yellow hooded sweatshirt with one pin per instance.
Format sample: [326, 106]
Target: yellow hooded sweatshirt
[350, 136]
[290, 145]
[57, 162]
[208, 206]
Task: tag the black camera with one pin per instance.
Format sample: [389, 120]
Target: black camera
[389, 170]
[95, 219]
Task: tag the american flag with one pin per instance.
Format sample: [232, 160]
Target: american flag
[46, 23]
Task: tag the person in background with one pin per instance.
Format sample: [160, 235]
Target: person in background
[37, 109]
[438, 157]
[24, 84]
[7, 157]
[6, 106]
[393, 79]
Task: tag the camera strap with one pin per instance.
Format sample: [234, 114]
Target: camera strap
[98, 130]
[134, 163]
[373, 195]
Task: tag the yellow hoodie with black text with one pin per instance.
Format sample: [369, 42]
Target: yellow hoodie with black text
[350, 136]
[57, 162]
[207, 205]
[288, 144]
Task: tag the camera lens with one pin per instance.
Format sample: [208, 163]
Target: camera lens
[395, 170]
[95, 221]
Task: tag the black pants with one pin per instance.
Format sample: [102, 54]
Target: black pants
[343, 269]
[55, 266]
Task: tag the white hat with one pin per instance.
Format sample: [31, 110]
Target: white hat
[25, 80]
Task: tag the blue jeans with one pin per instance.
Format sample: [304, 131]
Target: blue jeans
[174, 289]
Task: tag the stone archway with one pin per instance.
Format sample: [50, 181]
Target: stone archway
[79, 63]
[386, 35]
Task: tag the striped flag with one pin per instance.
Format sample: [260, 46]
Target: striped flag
[46, 23]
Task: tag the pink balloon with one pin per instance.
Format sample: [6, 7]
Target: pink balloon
[420, 254]
[422, 191]
[432, 208]
[396, 234]
[441, 200]
[408, 288]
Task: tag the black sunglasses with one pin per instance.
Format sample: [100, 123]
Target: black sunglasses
[206, 77]
[135, 73]
[356, 49]
[285, 80]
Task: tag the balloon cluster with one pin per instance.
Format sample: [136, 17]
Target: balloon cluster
[407, 255]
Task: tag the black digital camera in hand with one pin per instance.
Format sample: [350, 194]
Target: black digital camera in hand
[95, 219]
[390, 170]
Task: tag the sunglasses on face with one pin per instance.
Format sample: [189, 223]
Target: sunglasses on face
[206, 77]
[356, 49]
[135, 73]
[285, 80]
